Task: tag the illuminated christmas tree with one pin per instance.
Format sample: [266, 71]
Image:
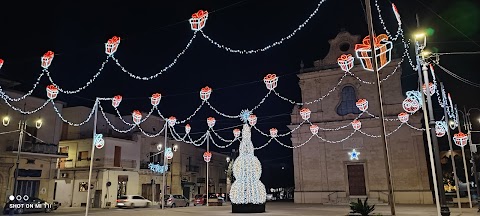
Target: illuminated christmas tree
[248, 193]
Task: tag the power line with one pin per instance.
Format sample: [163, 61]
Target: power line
[477, 85]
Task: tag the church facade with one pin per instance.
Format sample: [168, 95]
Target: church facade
[324, 169]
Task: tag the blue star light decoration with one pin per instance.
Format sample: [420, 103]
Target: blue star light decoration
[354, 154]
[244, 115]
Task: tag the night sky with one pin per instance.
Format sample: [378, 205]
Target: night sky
[154, 32]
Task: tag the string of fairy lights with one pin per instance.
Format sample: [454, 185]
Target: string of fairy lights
[411, 104]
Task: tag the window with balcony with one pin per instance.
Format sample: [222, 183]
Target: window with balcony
[64, 150]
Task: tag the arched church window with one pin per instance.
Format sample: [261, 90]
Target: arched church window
[347, 103]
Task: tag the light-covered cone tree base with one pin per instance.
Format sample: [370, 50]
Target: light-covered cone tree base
[248, 194]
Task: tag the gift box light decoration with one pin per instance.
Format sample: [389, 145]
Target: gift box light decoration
[270, 81]
[397, 15]
[137, 116]
[383, 51]
[207, 156]
[47, 59]
[236, 132]
[168, 153]
[252, 120]
[155, 99]
[172, 121]
[211, 122]
[356, 124]
[440, 128]
[460, 139]
[112, 45]
[187, 129]
[413, 102]
[98, 141]
[198, 20]
[205, 93]
[362, 104]
[52, 92]
[432, 88]
[116, 100]
[305, 113]
[1, 63]
[346, 61]
[314, 129]
[273, 132]
[403, 117]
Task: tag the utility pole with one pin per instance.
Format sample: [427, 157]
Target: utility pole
[208, 150]
[22, 125]
[391, 199]
[444, 209]
[95, 107]
[449, 137]
[464, 157]
[164, 165]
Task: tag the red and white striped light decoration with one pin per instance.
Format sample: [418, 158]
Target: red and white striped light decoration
[362, 104]
[432, 87]
[198, 20]
[47, 59]
[116, 100]
[236, 132]
[345, 61]
[155, 99]
[403, 117]
[397, 15]
[440, 128]
[273, 132]
[187, 129]
[356, 124]
[314, 129]
[207, 156]
[270, 81]
[460, 139]
[252, 120]
[172, 121]
[52, 92]
[305, 113]
[137, 116]
[112, 45]
[211, 122]
[205, 93]
[1, 63]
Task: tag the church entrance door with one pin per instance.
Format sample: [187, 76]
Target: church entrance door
[356, 180]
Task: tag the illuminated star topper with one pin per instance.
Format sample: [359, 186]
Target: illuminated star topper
[354, 154]
[244, 115]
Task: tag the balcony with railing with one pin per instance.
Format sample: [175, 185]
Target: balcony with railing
[35, 149]
[97, 163]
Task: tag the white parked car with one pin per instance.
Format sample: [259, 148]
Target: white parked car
[132, 201]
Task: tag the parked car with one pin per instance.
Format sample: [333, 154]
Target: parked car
[173, 200]
[39, 205]
[269, 197]
[200, 199]
[132, 201]
[215, 200]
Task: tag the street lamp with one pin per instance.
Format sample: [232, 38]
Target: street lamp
[228, 159]
[159, 147]
[175, 147]
[6, 121]
[38, 123]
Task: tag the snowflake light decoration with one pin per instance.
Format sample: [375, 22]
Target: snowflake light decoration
[354, 154]
[244, 115]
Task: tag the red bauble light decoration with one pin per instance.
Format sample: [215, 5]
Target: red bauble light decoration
[356, 124]
[207, 156]
[270, 81]
[198, 20]
[205, 93]
[1, 63]
[346, 62]
[211, 122]
[47, 59]
[137, 117]
[155, 99]
[187, 129]
[236, 132]
[362, 104]
[410, 105]
[52, 92]
[116, 101]
[314, 129]
[460, 139]
[112, 45]
[273, 132]
[305, 113]
[252, 119]
[172, 121]
[403, 117]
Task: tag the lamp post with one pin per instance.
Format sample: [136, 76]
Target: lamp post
[473, 147]
[391, 198]
[419, 46]
[164, 165]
